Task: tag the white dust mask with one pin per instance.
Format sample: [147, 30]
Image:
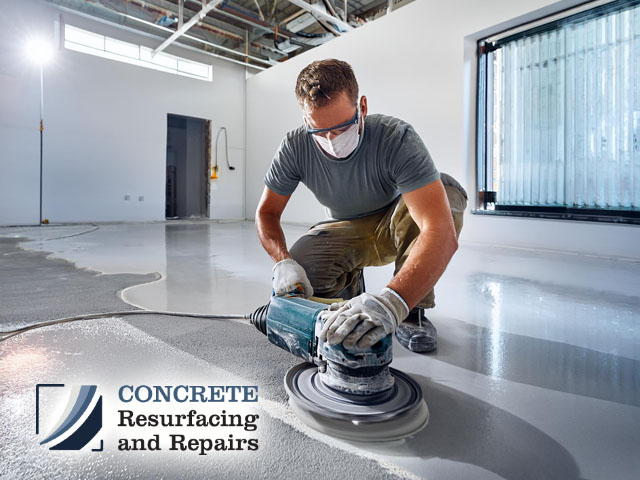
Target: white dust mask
[342, 145]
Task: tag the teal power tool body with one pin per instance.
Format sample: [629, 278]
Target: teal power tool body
[347, 393]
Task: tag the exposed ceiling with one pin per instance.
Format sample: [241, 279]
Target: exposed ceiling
[260, 33]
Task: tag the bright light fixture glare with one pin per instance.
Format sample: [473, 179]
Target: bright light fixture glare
[39, 51]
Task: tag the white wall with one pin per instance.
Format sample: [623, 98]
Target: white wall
[419, 64]
[105, 126]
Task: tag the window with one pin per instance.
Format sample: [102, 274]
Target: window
[96, 44]
[559, 117]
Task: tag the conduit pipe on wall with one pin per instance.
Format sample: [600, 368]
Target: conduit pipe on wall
[226, 149]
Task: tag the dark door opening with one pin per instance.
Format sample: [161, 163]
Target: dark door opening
[188, 166]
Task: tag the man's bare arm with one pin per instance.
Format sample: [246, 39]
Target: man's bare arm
[434, 247]
[270, 232]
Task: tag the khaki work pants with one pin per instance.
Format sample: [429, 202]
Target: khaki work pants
[334, 253]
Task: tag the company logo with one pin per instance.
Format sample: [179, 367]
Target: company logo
[80, 398]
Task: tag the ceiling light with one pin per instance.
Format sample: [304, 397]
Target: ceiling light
[39, 51]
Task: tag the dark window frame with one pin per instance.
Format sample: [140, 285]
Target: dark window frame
[486, 198]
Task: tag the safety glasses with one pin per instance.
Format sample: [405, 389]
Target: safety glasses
[338, 129]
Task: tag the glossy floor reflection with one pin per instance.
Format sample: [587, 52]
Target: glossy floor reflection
[537, 374]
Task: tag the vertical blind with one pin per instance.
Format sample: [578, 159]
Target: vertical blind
[562, 115]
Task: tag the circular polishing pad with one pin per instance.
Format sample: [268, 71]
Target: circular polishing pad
[390, 415]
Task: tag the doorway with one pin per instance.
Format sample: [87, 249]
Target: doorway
[188, 167]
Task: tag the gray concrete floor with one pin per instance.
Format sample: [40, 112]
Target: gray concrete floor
[537, 374]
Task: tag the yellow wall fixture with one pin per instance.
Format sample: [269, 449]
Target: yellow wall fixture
[214, 172]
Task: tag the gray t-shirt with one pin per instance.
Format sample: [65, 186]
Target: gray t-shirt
[390, 160]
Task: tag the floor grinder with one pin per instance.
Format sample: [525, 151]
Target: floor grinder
[351, 394]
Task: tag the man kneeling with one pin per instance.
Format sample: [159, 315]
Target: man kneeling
[388, 202]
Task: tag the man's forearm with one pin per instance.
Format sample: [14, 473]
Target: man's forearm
[272, 237]
[424, 266]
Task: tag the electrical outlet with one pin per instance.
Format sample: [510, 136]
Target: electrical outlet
[141, 198]
[127, 197]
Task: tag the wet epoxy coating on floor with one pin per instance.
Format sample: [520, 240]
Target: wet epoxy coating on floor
[537, 373]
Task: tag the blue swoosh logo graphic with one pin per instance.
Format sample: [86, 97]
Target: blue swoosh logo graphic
[82, 403]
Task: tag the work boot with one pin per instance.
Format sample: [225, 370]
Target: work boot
[417, 333]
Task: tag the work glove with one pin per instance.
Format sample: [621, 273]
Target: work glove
[288, 275]
[364, 320]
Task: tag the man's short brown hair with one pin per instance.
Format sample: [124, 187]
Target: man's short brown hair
[319, 82]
